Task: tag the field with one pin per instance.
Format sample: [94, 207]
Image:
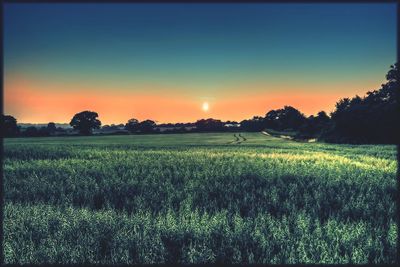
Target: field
[197, 198]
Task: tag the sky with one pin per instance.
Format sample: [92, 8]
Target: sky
[165, 61]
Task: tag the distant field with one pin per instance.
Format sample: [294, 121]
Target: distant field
[188, 139]
[197, 198]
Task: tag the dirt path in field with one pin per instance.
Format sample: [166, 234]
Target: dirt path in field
[244, 138]
[239, 138]
[232, 142]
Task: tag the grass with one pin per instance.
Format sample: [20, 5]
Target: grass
[198, 198]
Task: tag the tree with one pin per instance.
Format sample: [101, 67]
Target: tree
[313, 126]
[369, 119]
[287, 118]
[255, 124]
[31, 131]
[322, 118]
[85, 122]
[61, 130]
[147, 126]
[9, 126]
[43, 131]
[393, 75]
[271, 120]
[51, 127]
[113, 127]
[209, 125]
[132, 125]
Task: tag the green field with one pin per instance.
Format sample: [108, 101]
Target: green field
[197, 198]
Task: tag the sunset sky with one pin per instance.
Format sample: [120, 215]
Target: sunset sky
[165, 61]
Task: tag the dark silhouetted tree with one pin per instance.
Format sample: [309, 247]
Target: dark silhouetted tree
[255, 124]
[51, 128]
[205, 125]
[287, 118]
[61, 130]
[147, 126]
[393, 75]
[31, 131]
[85, 122]
[322, 118]
[313, 126]
[9, 126]
[132, 125]
[370, 119]
[43, 131]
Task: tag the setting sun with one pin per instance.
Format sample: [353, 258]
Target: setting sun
[205, 106]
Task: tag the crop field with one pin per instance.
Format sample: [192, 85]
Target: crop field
[197, 198]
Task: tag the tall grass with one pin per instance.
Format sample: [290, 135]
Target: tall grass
[268, 201]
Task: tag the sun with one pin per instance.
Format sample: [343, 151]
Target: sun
[205, 106]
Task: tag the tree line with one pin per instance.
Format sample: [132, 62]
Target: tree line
[369, 119]
[373, 118]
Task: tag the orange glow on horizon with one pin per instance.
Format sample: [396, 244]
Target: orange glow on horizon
[35, 102]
